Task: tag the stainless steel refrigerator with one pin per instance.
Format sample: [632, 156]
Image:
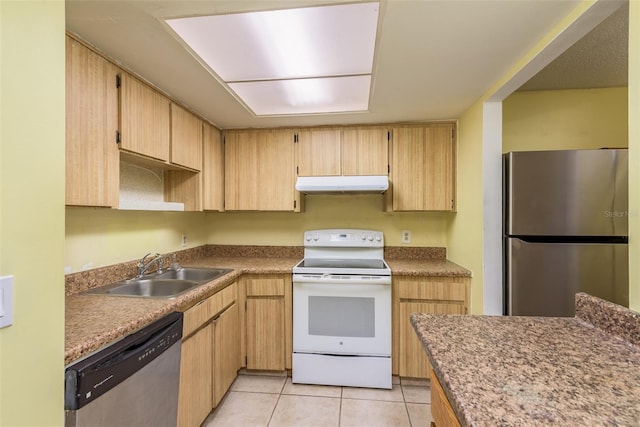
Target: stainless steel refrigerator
[565, 229]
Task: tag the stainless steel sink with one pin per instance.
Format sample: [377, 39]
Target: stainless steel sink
[167, 285]
[195, 274]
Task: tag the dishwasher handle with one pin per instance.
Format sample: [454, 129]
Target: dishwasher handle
[92, 377]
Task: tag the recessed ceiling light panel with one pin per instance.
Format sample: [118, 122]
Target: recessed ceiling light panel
[305, 96]
[247, 50]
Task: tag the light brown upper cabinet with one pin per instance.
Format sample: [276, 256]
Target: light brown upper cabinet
[348, 151]
[144, 119]
[259, 170]
[365, 151]
[186, 138]
[213, 169]
[92, 155]
[423, 167]
[319, 152]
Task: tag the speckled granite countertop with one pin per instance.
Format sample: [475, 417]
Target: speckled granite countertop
[426, 267]
[93, 321]
[536, 371]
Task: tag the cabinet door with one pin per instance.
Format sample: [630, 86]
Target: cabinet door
[413, 360]
[226, 352]
[276, 171]
[196, 373]
[365, 151]
[144, 119]
[441, 410]
[259, 170]
[319, 152]
[265, 333]
[423, 168]
[92, 156]
[213, 169]
[186, 138]
[241, 171]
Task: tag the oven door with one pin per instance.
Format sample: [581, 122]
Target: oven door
[348, 316]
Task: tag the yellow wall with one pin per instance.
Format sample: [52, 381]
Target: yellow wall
[97, 237]
[464, 235]
[634, 155]
[32, 210]
[565, 119]
[324, 211]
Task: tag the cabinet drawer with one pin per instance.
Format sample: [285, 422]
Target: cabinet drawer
[200, 313]
[223, 299]
[265, 287]
[438, 289]
[195, 317]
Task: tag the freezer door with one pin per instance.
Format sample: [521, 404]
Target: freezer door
[543, 278]
[566, 193]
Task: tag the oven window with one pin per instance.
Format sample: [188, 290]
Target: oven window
[342, 316]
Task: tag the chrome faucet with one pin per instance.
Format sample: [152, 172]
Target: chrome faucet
[143, 265]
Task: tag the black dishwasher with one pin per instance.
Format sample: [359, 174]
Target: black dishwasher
[132, 382]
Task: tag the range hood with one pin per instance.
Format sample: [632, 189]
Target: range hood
[342, 184]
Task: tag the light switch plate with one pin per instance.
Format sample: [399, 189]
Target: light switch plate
[6, 301]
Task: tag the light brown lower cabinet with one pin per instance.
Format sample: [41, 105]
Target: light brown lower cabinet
[438, 295]
[265, 322]
[226, 352]
[196, 376]
[210, 355]
[441, 410]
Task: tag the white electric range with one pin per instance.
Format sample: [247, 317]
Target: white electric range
[342, 310]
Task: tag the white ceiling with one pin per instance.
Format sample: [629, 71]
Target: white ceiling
[434, 58]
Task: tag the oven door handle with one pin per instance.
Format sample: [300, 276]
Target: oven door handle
[341, 279]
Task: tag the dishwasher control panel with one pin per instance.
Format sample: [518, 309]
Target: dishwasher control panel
[93, 376]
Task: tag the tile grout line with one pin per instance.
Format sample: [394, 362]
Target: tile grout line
[277, 401]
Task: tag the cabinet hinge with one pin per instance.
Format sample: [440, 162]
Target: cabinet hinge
[294, 204]
[295, 138]
[118, 81]
[297, 170]
[388, 169]
[246, 361]
[118, 137]
[453, 133]
[452, 204]
[388, 136]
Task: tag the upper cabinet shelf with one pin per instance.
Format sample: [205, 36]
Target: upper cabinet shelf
[114, 116]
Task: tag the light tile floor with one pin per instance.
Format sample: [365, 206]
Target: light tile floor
[274, 401]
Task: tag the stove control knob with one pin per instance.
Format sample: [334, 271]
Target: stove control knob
[378, 238]
[364, 237]
[316, 237]
[370, 237]
[307, 237]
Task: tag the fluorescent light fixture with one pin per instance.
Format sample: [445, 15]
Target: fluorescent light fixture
[294, 61]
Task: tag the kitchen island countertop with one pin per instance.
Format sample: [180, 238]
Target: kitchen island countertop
[529, 371]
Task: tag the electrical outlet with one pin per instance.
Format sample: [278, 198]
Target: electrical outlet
[406, 236]
[184, 240]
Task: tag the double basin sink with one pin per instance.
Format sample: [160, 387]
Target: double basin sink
[167, 284]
